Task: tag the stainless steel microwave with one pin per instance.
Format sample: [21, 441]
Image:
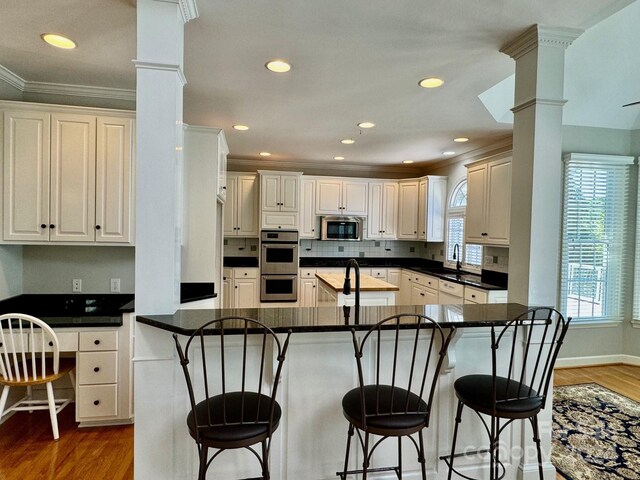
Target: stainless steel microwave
[341, 228]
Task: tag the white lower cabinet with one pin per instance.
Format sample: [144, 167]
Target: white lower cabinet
[240, 287]
[476, 295]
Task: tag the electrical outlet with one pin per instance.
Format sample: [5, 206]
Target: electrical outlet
[115, 285]
[76, 285]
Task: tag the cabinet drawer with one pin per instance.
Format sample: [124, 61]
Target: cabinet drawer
[97, 367]
[97, 401]
[307, 273]
[67, 341]
[475, 295]
[425, 280]
[379, 273]
[240, 273]
[451, 288]
[97, 341]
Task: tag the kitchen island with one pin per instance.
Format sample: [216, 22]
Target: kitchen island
[373, 291]
[319, 370]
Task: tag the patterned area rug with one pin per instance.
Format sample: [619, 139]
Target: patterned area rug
[596, 434]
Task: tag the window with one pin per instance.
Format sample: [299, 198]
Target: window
[595, 236]
[470, 255]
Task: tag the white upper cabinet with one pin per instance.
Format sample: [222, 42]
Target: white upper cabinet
[408, 210]
[279, 200]
[68, 177]
[308, 218]
[241, 205]
[382, 220]
[223, 151]
[432, 194]
[335, 196]
[489, 202]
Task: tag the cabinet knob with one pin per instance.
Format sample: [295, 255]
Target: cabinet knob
[245, 274]
[44, 225]
[96, 342]
[313, 229]
[96, 369]
[51, 344]
[422, 294]
[314, 286]
[98, 227]
[52, 226]
[224, 188]
[96, 402]
[473, 296]
[484, 234]
[1, 344]
[236, 286]
[279, 226]
[415, 232]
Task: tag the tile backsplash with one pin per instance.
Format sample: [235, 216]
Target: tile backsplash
[241, 247]
[365, 248]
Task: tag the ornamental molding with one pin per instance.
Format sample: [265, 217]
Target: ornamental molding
[540, 35]
[188, 8]
[538, 101]
[26, 86]
[167, 67]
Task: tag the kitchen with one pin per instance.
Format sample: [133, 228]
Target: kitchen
[151, 257]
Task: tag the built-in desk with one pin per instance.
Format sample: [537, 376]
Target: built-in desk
[319, 369]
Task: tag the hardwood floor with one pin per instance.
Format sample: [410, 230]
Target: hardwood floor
[28, 451]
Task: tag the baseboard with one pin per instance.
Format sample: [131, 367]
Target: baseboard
[597, 360]
[530, 471]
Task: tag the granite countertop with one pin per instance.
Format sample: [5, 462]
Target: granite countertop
[337, 319]
[71, 310]
[367, 283]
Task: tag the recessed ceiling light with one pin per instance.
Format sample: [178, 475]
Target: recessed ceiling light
[348, 141]
[59, 41]
[338, 158]
[407, 161]
[278, 66]
[461, 139]
[431, 82]
[242, 128]
[366, 125]
[265, 154]
[449, 152]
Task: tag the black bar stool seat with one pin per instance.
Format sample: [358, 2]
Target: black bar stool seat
[391, 418]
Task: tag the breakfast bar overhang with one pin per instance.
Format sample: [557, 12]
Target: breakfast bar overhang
[319, 369]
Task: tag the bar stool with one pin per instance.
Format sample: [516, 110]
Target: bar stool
[514, 390]
[231, 414]
[397, 401]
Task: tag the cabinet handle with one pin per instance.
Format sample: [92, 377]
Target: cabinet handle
[44, 225]
[96, 369]
[484, 234]
[96, 342]
[52, 226]
[96, 402]
[98, 227]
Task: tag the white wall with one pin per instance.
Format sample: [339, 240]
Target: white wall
[78, 101]
[10, 271]
[631, 335]
[7, 92]
[51, 269]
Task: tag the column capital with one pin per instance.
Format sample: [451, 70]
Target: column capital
[188, 8]
[177, 69]
[540, 35]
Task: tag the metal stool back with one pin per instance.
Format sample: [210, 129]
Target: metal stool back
[404, 354]
[517, 388]
[232, 404]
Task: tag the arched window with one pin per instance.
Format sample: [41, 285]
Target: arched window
[470, 255]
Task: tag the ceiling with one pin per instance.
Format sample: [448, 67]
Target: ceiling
[353, 61]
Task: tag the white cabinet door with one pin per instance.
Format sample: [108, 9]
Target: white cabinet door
[394, 278]
[389, 208]
[308, 289]
[289, 193]
[270, 192]
[354, 197]
[408, 211]
[476, 201]
[374, 218]
[308, 224]
[247, 206]
[26, 175]
[404, 297]
[328, 196]
[231, 206]
[431, 296]
[73, 178]
[498, 202]
[114, 180]
[227, 293]
[245, 293]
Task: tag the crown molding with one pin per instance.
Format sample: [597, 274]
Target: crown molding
[189, 10]
[499, 147]
[538, 101]
[167, 67]
[26, 86]
[540, 35]
[11, 78]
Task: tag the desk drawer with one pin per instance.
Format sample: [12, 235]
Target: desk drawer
[98, 341]
[307, 273]
[97, 367]
[97, 401]
[240, 273]
[67, 341]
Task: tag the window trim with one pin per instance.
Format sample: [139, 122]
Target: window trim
[458, 212]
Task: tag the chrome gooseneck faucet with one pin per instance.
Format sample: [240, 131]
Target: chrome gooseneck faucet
[456, 248]
[346, 288]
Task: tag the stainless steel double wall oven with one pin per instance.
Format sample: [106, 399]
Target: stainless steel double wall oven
[279, 259]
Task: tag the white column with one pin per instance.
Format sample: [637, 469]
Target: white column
[160, 79]
[536, 191]
[537, 163]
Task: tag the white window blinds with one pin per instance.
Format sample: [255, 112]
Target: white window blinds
[594, 236]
